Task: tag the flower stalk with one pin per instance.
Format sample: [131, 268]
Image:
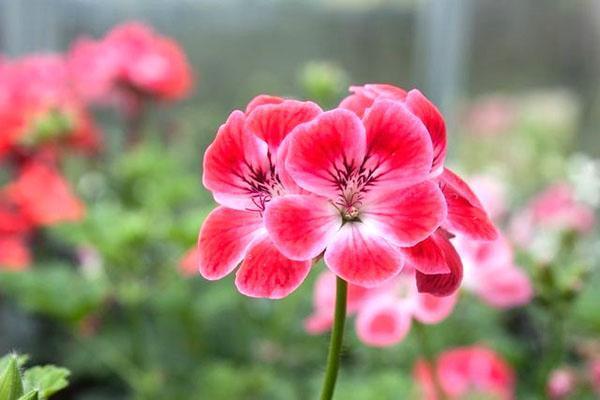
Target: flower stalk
[335, 344]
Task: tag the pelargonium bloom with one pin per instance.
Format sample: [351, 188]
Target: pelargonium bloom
[439, 270]
[14, 254]
[43, 195]
[561, 384]
[557, 209]
[384, 314]
[243, 168]
[467, 371]
[133, 57]
[369, 192]
[38, 107]
[490, 272]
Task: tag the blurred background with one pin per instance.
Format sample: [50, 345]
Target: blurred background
[107, 294]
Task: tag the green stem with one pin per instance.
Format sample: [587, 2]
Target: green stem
[335, 344]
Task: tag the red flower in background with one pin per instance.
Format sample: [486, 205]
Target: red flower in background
[131, 57]
[43, 195]
[243, 170]
[14, 254]
[38, 108]
[384, 314]
[465, 372]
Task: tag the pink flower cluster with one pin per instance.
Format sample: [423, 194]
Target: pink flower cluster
[464, 372]
[44, 113]
[131, 60]
[363, 185]
[555, 208]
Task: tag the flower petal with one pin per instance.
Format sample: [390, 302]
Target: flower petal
[399, 148]
[442, 284]
[320, 149]
[465, 212]
[405, 216]
[223, 240]
[267, 273]
[426, 257]
[433, 309]
[359, 256]
[301, 226]
[504, 287]
[434, 122]
[262, 100]
[382, 322]
[273, 122]
[364, 96]
[230, 160]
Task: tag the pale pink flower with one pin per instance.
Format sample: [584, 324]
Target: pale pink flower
[384, 314]
[561, 384]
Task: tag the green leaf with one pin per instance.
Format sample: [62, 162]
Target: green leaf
[33, 395]
[48, 379]
[11, 386]
[21, 360]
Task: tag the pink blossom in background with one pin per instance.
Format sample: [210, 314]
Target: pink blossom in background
[493, 194]
[243, 168]
[130, 57]
[594, 374]
[38, 107]
[555, 208]
[188, 264]
[491, 116]
[384, 314]
[561, 384]
[491, 274]
[14, 254]
[44, 196]
[465, 372]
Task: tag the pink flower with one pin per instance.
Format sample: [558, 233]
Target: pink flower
[39, 108]
[492, 193]
[439, 270]
[594, 374]
[44, 196]
[370, 192]
[561, 384]
[384, 314]
[491, 274]
[14, 254]
[491, 116]
[467, 371]
[188, 265]
[555, 208]
[243, 168]
[135, 57]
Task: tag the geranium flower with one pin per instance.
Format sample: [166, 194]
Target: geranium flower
[491, 274]
[43, 195]
[557, 209]
[561, 384]
[243, 168]
[133, 57]
[14, 254]
[370, 192]
[188, 264]
[39, 109]
[467, 371]
[384, 314]
[439, 270]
